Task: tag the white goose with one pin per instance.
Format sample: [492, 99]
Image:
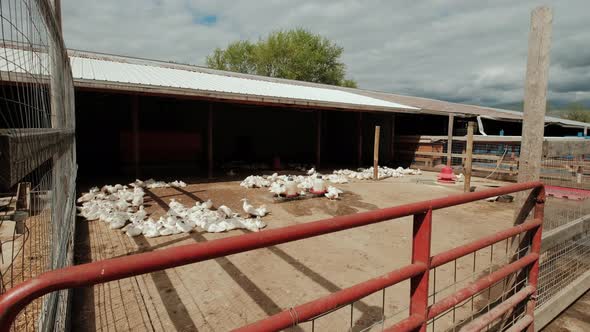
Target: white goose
[252, 211]
[333, 192]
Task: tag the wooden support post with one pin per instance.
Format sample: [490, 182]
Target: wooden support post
[585, 131]
[450, 139]
[392, 146]
[210, 142]
[23, 197]
[23, 206]
[56, 83]
[57, 10]
[135, 134]
[376, 153]
[468, 156]
[359, 132]
[318, 147]
[535, 97]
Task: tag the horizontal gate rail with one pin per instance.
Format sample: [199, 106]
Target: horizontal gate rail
[103, 271]
[484, 320]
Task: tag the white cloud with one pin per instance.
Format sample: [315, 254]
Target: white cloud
[456, 50]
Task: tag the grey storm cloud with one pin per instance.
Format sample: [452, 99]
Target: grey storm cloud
[464, 51]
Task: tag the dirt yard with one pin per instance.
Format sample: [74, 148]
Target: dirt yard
[228, 292]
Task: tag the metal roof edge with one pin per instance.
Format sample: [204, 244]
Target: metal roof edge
[220, 95]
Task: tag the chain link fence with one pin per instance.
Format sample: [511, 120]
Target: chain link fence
[37, 156]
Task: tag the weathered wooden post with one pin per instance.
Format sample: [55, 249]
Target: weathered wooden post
[468, 156]
[450, 140]
[535, 97]
[376, 154]
[446, 173]
[533, 128]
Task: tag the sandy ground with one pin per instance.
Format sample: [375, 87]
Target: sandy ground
[228, 292]
[31, 254]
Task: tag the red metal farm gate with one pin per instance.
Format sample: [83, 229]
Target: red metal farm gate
[420, 311]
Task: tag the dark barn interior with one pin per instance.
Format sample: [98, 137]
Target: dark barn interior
[172, 135]
[138, 135]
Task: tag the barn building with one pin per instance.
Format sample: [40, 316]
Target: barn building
[146, 118]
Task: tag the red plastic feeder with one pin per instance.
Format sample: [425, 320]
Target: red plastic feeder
[446, 175]
[317, 192]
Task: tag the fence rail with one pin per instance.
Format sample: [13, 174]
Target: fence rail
[15, 299]
[566, 160]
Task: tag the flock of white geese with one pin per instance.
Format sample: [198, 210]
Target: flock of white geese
[122, 206]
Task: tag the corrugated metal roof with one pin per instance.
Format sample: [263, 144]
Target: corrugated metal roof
[445, 107]
[425, 105]
[96, 69]
[128, 73]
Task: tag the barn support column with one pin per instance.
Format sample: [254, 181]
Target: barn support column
[318, 148]
[210, 142]
[392, 144]
[135, 133]
[359, 132]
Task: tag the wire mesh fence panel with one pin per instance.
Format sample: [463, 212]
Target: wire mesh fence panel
[565, 172]
[391, 305]
[37, 156]
[562, 264]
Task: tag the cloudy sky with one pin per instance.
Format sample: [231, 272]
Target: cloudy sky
[463, 50]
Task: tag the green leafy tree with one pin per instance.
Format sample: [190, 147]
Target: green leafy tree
[577, 112]
[293, 54]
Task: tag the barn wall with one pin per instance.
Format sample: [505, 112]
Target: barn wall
[99, 120]
[172, 135]
[258, 134]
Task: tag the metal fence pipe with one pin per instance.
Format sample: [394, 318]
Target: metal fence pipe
[409, 324]
[307, 311]
[536, 238]
[486, 319]
[123, 267]
[458, 252]
[422, 231]
[521, 324]
[481, 284]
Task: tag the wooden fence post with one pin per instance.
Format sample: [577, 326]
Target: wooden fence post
[450, 140]
[535, 97]
[468, 156]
